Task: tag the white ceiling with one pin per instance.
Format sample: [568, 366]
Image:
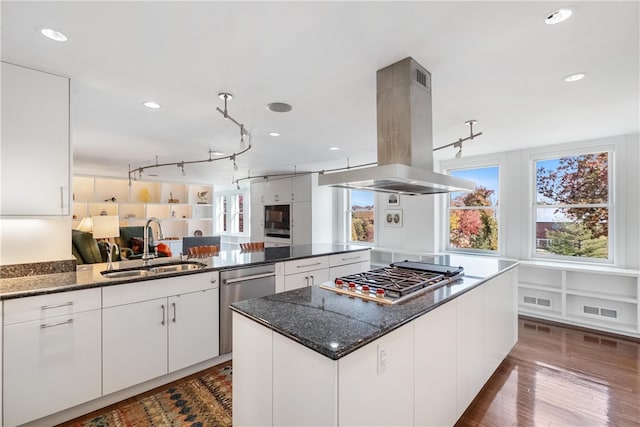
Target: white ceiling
[496, 62]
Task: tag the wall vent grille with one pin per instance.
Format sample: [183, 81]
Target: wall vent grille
[421, 78]
[540, 302]
[599, 311]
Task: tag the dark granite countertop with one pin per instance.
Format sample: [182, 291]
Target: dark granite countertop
[88, 276]
[336, 325]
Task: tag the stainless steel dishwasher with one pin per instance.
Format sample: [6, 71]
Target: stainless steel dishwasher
[238, 285]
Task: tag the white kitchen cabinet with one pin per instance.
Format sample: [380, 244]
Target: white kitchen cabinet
[470, 347]
[134, 343]
[257, 222]
[345, 264]
[371, 372]
[311, 215]
[52, 354]
[301, 188]
[435, 368]
[301, 223]
[277, 191]
[35, 143]
[159, 326]
[305, 272]
[193, 328]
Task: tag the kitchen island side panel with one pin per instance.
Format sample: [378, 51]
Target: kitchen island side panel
[252, 394]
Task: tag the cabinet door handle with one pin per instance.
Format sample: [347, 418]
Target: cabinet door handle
[306, 278]
[350, 258]
[213, 280]
[64, 304]
[51, 325]
[174, 312]
[313, 280]
[163, 320]
[61, 197]
[308, 265]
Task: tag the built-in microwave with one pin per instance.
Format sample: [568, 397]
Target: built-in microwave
[277, 221]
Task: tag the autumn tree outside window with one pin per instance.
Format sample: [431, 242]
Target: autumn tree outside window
[572, 206]
[473, 215]
[361, 213]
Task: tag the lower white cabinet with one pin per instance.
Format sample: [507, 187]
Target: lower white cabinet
[52, 354]
[349, 263]
[158, 327]
[305, 272]
[435, 388]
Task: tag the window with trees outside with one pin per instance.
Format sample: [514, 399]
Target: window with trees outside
[571, 207]
[361, 213]
[221, 214]
[473, 215]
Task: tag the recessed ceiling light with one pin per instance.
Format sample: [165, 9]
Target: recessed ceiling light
[558, 16]
[54, 34]
[152, 105]
[279, 107]
[274, 134]
[575, 77]
[334, 148]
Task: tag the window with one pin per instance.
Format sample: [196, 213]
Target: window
[473, 215]
[571, 207]
[361, 213]
[229, 213]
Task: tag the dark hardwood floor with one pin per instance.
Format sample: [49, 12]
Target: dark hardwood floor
[561, 376]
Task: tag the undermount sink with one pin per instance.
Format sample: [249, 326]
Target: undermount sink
[152, 270]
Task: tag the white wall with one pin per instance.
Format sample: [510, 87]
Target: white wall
[24, 241]
[419, 231]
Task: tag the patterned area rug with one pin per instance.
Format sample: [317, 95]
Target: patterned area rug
[203, 401]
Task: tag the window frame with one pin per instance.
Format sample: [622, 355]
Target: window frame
[533, 204]
[229, 212]
[347, 217]
[446, 238]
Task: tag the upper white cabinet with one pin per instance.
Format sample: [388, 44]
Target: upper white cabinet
[36, 148]
[311, 209]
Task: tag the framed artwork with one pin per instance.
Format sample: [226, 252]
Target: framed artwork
[393, 218]
[394, 200]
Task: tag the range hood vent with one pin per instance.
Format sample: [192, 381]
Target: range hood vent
[405, 139]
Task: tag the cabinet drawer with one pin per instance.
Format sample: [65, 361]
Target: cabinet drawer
[348, 258]
[157, 288]
[46, 306]
[305, 264]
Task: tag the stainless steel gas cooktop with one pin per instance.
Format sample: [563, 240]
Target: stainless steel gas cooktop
[396, 283]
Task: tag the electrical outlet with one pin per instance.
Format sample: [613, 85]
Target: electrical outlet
[382, 358]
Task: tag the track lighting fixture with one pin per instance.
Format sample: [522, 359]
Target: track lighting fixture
[458, 144]
[135, 174]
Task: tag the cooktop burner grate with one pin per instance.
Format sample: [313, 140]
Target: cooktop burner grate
[395, 281]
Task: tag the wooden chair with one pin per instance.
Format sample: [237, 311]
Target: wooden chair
[252, 246]
[203, 251]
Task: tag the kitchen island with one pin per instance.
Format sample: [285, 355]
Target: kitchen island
[328, 359]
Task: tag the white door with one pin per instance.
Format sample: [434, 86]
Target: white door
[50, 366]
[193, 328]
[134, 346]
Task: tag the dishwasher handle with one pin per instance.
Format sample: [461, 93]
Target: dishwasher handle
[245, 278]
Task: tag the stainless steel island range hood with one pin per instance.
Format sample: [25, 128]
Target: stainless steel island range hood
[405, 139]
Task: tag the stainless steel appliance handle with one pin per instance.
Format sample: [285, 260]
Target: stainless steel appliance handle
[64, 304]
[162, 308]
[308, 265]
[245, 278]
[51, 325]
